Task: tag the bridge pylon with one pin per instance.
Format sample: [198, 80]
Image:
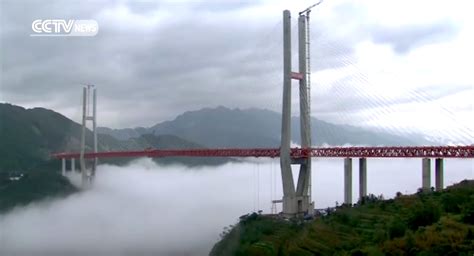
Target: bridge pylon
[88, 115]
[296, 201]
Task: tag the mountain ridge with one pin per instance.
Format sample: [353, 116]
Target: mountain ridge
[225, 127]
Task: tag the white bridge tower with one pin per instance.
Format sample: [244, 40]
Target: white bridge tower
[296, 201]
[88, 115]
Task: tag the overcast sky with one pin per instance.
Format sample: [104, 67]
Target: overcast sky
[401, 65]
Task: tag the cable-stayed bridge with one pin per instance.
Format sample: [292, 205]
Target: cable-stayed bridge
[296, 197]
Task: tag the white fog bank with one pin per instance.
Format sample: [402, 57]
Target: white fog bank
[147, 209]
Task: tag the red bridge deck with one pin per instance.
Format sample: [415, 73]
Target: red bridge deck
[378, 152]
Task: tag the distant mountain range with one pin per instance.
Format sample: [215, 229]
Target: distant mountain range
[29, 136]
[224, 127]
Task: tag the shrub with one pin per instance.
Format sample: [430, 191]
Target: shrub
[468, 213]
[396, 228]
[450, 203]
[379, 236]
[423, 214]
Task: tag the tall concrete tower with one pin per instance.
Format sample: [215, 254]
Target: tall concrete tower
[88, 174]
[295, 201]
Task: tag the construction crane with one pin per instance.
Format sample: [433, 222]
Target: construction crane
[308, 10]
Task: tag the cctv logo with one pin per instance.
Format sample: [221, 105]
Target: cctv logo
[64, 28]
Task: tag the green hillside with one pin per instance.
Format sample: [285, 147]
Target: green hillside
[29, 136]
[31, 187]
[436, 223]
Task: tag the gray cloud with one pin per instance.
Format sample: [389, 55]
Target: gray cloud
[148, 74]
[201, 54]
[222, 6]
[349, 95]
[168, 68]
[408, 37]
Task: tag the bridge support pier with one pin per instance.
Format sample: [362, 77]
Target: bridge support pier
[63, 166]
[73, 165]
[348, 181]
[426, 174]
[439, 174]
[362, 177]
